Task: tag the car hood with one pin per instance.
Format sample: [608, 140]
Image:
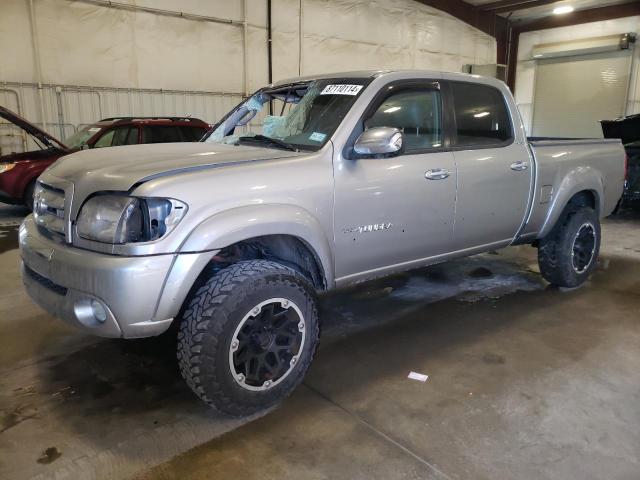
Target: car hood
[31, 129]
[120, 168]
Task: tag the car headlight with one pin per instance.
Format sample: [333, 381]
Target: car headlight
[119, 219]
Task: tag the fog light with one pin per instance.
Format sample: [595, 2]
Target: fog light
[99, 312]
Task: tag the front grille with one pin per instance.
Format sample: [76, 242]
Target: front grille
[45, 282]
[48, 208]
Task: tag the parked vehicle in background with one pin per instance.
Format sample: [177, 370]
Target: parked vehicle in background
[631, 195]
[627, 129]
[357, 176]
[19, 171]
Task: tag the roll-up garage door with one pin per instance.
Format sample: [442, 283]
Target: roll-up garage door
[573, 94]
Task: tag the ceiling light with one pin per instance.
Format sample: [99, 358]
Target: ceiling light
[563, 9]
[481, 114]
[392, 109]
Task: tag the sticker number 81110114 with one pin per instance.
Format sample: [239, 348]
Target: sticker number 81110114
[341, 89]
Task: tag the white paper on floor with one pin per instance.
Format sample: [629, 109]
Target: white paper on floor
[418, 376]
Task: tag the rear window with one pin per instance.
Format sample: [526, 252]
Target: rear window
[481, 115]
[161, 134]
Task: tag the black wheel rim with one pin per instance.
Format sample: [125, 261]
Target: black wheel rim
[267, 344]
[584, 247]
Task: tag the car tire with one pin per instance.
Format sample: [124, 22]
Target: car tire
[248, 336]
[28, 195]
[568, 255]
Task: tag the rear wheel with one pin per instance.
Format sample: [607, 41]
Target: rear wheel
[568, 255]
[248, 336]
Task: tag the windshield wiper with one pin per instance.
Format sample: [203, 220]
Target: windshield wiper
[273, 141]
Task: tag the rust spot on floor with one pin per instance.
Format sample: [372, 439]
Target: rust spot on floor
[50, 455]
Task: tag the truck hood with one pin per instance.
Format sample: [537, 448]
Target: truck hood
[120, 168]
[31, 129]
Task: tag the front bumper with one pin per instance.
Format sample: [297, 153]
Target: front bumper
[65, 280]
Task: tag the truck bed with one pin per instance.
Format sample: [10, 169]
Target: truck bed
[559, 162]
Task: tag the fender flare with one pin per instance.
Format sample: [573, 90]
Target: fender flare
[237, 224]
[578, 180]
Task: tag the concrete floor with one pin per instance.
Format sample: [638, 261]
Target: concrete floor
[525, 381]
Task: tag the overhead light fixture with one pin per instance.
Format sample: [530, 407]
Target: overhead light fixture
[392, 109]
[481, 114]
[563, 9]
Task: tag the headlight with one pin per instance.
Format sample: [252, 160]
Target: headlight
[6, 167]
[119, 219]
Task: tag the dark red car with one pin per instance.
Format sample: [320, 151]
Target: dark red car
[19, 171]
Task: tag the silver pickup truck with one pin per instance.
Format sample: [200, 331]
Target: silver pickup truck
[309, 185]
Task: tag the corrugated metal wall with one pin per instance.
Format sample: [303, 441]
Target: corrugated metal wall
[68, 108]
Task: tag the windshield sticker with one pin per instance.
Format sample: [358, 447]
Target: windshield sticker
[94, 129]
[341, 89]
[317, 136]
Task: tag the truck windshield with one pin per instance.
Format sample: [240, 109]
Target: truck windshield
[296, 116]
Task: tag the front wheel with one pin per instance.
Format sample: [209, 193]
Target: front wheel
[248, 336]
[568, 255]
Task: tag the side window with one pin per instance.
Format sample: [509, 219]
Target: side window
[417, 113]
[161, 134]
[118, 136]
[192, 134]
[105, 140]
[125, 136]
[481, 115]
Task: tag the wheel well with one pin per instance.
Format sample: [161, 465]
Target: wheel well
[285, 249]
[585, 198]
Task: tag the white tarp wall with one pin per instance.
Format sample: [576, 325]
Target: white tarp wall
[99, 61]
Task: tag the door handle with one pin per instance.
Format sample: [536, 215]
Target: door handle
[519, 166]
[436, 174]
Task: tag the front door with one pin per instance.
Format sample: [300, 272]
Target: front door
[392, 212]
[494, 173]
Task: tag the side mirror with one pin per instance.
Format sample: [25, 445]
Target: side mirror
[379, 140]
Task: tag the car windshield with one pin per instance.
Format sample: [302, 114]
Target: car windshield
[296, 116]
[81, 136]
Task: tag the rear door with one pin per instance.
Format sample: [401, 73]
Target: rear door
[388, 212]
[494, 172]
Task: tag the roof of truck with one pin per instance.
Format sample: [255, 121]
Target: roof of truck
[409, 73]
